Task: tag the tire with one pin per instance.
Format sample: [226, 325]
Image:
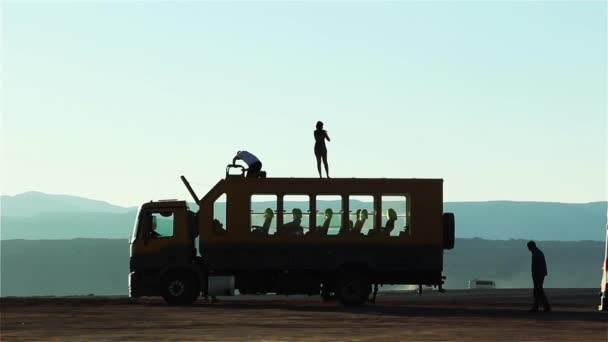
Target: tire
[353, 289]
[327, 295]
[180, 288]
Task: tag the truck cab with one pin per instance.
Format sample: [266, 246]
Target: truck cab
[163, 255]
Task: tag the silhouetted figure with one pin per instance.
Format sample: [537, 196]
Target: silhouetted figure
[391, 215]
[362, 217]
[326, 222]
[320, 148]
[265, 227]
[354, 224]
[218, 227]
[294, 227]
[254, 165]
[152, 233]
[539, 271]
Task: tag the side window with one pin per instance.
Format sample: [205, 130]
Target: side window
[395, 216]
[219, 215]
[329, 215]
[164, 223]
[263, 214]
[296, 215]
[156, 224]
[362, 213]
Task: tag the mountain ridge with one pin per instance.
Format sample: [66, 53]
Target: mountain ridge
[59, 217]
[106, 206]
[31, 203]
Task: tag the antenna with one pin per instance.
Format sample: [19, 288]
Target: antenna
[192, 193]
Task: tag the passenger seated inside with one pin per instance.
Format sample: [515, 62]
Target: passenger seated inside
[362, 216]
[345, 229]
[351, 226]
[294, 227]
[357, 213]
[153, 224]
[263, 229]
[218, 227]
[152, 233]
[390, 223]
[388, 227]
[325, 227]
[405, 231]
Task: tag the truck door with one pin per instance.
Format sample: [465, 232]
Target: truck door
[164, 238]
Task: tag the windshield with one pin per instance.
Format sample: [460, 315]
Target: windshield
[134, 234]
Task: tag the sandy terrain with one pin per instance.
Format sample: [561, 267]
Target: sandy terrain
[456, 315]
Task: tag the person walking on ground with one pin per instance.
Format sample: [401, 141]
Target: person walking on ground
[254, 165]
[539, 271]
[320, 148]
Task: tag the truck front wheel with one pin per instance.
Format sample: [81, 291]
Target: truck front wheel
[353, 289]
[179, 288]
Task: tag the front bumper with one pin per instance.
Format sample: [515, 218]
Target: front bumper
[142, 286]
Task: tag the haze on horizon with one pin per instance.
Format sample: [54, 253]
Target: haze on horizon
[114, 101]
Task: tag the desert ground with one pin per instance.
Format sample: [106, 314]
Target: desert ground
[457, 315]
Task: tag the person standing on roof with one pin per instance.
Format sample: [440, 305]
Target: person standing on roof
[320, 148]
[254, 165]
[539, 272]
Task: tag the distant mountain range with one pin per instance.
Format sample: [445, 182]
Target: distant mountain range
[530, 220]
[34, 203]
[36, 215]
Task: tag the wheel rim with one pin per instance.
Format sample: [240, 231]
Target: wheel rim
[177, 288]
[351, 290]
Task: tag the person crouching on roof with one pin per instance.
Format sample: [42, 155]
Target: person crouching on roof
[254, 165]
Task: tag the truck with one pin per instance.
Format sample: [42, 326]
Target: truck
[338, 238]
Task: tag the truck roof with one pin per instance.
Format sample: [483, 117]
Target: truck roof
[316, 180]
[164, 204]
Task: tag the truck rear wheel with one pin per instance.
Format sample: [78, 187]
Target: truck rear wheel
[353, 289]
[180, 288]
[327, 296]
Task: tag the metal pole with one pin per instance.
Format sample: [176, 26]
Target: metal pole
[192, 193]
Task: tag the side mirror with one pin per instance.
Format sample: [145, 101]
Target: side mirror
[193, 224]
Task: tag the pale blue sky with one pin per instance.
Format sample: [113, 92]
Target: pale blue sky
[115, 101]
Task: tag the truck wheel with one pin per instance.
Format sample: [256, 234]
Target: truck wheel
[180, 289]
[327, 296]
[327, 293]
[353, 289]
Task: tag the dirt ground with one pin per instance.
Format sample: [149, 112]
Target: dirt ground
[457, 315]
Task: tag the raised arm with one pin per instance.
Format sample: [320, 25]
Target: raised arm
[327, 136]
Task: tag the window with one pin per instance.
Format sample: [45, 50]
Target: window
[361, 213]
[263, 212]
[156, 224]
[219, 215]
[395, 216]
[164, 223]
[296, 215]
[329, 214]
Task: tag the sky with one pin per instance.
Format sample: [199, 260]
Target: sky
[116, 100]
